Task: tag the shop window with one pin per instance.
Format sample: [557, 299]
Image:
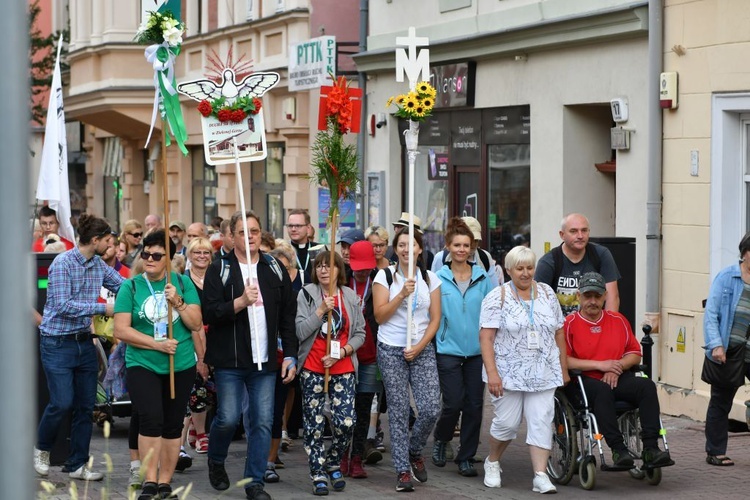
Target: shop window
[430, 193]
[509, 218]
[267, 189]
[204, 188]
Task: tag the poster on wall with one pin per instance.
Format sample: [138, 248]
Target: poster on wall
[347, 214]
[438, 166]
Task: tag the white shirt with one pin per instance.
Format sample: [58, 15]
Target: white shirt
[260, 315]
[393, 331]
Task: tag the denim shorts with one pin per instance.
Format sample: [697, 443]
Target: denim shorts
[368, 379]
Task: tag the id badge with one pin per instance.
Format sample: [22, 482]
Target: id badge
[160, 331]
[335, 349]
[532, 338]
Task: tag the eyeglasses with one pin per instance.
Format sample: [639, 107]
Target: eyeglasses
[108, 232]
[322, 266]
[136, 235]
[295, 226]
[379, 245]
[155, 256]
[254, 231]
[49, 224]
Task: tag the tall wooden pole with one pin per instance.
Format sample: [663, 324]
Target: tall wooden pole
[165, 195]
[331, 288]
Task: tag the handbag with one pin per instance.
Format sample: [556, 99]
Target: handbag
[731, 373]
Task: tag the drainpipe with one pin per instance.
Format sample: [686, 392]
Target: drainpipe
[654, 176]
[364, 9]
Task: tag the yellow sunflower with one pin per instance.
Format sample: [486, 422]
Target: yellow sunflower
[410, 103]
[400, 99]
[428, 103]
[419, 111]
[389, 102]
[426, 88]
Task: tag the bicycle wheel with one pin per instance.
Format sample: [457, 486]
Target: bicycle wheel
[561, 464]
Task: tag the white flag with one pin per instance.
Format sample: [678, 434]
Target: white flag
[53, 175]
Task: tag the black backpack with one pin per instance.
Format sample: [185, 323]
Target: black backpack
[226, 267]
[557, 257]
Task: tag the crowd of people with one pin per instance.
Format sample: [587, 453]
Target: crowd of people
[280, 336]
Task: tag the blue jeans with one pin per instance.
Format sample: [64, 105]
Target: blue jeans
[71, 369]
[232, 384]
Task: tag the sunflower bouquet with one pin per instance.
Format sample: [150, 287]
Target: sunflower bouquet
[415, 105]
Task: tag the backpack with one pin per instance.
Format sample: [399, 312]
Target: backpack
[389, 276]
[483, 257]
[226, 267]
[557, 257]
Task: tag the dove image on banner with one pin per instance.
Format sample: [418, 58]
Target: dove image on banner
[53, 175]
[219, 122]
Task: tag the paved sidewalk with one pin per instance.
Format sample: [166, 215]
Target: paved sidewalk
[690, 478]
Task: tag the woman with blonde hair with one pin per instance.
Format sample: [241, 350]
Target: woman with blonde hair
[378, 237]
[132, 234]
[524, 354]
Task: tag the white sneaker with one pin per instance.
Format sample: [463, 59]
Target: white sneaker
[135, 477]
[542, 484]
[41, 462]
[492, 472]
[83, 472]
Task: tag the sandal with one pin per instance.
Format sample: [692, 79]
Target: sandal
[320, 486]
[149, 491]
[719, 460]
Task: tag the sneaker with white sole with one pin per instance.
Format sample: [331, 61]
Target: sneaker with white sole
[84, 473]
[41, 462]
[135, 481]
[542, 484]
[492, 472]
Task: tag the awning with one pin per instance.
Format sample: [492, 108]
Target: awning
[112, 157]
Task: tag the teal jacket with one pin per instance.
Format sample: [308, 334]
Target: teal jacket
[458, 334]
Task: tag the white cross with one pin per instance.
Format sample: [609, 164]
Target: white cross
[417, 62]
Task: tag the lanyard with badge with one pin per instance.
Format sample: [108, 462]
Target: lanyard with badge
[335, 327]
[364, 295]
[160, 318]
[532, 336]
[307, 262]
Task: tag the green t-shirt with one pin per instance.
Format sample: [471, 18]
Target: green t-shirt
[142, 308]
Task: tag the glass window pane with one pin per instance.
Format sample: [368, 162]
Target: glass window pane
[509, 219]
[274, 164]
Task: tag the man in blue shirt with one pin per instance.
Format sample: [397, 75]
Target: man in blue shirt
[67, 350]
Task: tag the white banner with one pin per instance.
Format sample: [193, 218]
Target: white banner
[53, 175]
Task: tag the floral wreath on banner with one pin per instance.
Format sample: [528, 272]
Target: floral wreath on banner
[235, 112]
[334, 163]
[162, 32]
[417, 104]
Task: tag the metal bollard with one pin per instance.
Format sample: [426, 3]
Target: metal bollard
[647, 343]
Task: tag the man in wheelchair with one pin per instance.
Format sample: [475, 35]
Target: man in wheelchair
[601, 344]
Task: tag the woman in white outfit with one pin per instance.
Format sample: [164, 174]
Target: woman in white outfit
[523, 350]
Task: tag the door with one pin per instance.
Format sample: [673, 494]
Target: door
[468, 198]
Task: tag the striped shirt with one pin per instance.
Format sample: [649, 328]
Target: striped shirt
[72, 291]
[740, 321]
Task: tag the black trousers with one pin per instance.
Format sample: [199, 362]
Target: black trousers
[638, 391]
[362, 407]
[462, 396]
[717, 417]
[158, 414]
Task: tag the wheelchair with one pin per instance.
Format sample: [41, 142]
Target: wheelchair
[576, 440]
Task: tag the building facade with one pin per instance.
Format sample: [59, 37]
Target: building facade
[706, 179]
[111, 91]
[520, 135]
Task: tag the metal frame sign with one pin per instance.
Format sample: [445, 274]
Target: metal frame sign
[311, 63]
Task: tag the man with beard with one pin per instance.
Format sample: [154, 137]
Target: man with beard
[67, 351]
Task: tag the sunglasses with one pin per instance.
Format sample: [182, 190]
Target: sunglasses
[136, 235]
[155, 256]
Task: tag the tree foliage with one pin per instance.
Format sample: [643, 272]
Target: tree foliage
[42, 52]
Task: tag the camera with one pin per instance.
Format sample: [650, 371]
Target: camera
[380, 121]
